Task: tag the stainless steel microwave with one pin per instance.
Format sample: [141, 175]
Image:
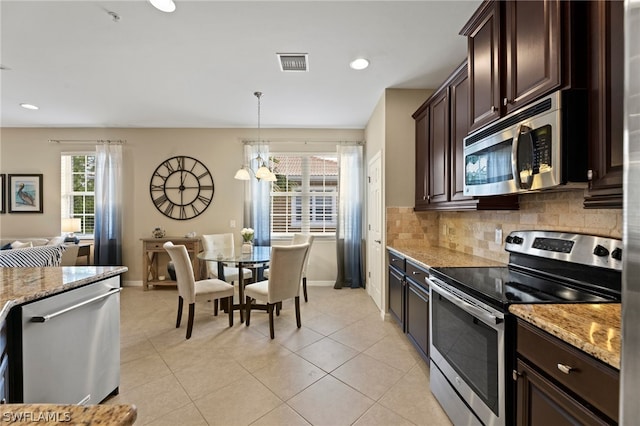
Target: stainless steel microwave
[540, 146]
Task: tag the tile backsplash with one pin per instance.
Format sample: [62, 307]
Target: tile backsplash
[473, 232]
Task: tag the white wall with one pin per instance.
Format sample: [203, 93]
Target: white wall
[400, 139]
[27, 150]
[391, 130]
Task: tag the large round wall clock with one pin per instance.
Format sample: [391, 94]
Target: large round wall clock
[181, 187]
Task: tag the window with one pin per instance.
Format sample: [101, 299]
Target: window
[304, 197]
[77, 183]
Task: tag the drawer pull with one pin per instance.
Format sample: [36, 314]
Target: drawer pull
[564, 368]
[415, 273]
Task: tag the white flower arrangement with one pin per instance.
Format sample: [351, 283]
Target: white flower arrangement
[247, 234]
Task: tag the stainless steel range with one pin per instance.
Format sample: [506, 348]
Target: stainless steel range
[472, 333]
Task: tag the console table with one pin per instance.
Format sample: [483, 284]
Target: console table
[151, 251]
[84, 250]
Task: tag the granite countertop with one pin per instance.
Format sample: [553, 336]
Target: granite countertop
[432, 257]
[54, 414]
[21, 285]
[592, 328]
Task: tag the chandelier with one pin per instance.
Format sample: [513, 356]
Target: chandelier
[263, 172]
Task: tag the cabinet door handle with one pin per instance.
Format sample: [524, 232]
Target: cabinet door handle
[564, 368]
[493, 108]
[515, 374]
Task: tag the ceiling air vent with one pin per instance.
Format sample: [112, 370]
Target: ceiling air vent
[294, 62]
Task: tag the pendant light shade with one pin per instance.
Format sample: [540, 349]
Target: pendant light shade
[164, 5]
[242, 174]
[263, 172]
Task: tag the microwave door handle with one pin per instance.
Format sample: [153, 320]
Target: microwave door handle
[515, 163]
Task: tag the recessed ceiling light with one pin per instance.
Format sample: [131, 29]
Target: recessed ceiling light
[29, 106]
[359, 64]
[164, 5]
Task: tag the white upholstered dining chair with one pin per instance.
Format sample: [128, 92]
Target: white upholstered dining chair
[286, 265]
[223, 244]
[301, 239]
[189, 288]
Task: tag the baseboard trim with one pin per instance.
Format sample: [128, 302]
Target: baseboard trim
[320, 283]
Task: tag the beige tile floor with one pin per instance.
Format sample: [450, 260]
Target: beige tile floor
[345, 366]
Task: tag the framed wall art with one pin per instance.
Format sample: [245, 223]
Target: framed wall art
[25, 193]
[3, 196]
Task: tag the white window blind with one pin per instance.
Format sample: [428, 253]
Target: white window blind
[304, 197]
[77, 187]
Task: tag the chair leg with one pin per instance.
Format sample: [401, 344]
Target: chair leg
[230, 302]
[304, 289]
[247, 307]
[215, 307]
[270, 310]
[297, 302]
[278, 308]
[192, 309]
[180, 303]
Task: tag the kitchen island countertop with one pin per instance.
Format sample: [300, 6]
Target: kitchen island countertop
[592, 328]
[54, 414]
[22, 285]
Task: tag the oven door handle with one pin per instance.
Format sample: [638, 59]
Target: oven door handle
[474, 310]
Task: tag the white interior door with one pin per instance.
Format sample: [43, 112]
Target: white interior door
[375, 254]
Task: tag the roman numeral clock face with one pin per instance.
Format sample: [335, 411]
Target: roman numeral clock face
[181, 188]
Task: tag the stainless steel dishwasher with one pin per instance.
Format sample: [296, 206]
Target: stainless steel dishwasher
[70, 346]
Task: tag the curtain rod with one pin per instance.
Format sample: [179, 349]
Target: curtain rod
[114, 141]
[251, 142]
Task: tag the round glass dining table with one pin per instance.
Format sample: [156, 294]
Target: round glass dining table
[258, 258]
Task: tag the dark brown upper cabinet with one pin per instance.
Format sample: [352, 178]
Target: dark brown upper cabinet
[438, 157]
[422, 152]
[606, 94]
[485, 65]
[532, 51]
[459, 124]
[441, 126]
[519, 51]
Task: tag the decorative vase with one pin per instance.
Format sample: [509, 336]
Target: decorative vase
[158, 233]
[247, 247]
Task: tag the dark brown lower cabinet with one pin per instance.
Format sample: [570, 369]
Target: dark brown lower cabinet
[417, 323]
[542, 403]
[557, 384]
[409, 300]
[396, 295]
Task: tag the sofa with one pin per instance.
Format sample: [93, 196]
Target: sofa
[35, 252]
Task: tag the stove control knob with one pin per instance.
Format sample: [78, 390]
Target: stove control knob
[509, 239]
[617, 253]
[600, 251]
[517, 240]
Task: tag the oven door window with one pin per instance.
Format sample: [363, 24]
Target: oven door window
[490, 165]
[469, 346]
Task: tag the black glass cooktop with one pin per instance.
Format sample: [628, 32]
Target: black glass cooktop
[503, 286]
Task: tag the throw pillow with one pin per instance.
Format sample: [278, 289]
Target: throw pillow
[6, 247]
[19, 244]
[56, 241]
